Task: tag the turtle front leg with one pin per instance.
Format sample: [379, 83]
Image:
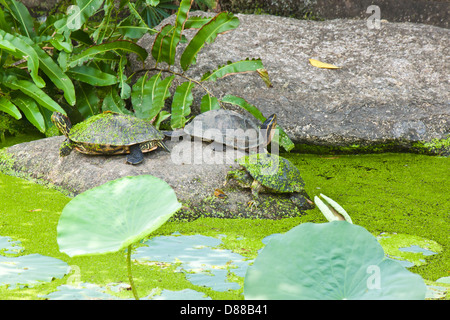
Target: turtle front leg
[66, 148]
[136, 156]
[256, 187]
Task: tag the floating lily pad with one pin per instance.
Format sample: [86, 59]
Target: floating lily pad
[89, 291]
[84, 291]
[409, 250]
[186, 294]
[334, 260]
[30, 270]
[203, 264]
[9, 246]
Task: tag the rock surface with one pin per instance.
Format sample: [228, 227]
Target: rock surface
[392, 88]
[192, 169]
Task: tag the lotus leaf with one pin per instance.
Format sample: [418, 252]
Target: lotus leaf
[115, 215]
[334, 260]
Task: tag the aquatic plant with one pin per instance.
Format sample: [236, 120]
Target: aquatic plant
[331, 209]
[114, 216]
[333, 260]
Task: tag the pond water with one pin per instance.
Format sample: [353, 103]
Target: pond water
[401, 198]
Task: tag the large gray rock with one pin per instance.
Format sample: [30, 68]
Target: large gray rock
[192, 169]
[392, 89]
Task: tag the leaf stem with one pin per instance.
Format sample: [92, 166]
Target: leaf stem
[130, 277]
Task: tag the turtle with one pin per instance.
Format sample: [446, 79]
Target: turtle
[229, 128]
[270, 173]
[109, 133]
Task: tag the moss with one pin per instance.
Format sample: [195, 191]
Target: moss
[392, 192]
[434, 147]
[395, 193]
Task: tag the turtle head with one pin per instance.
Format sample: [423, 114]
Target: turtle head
[62, 122]
[268, 128]
[241, 176]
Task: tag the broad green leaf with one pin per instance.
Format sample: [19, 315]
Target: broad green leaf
[56, 75]
[222, 22]
[142, 95]
[88, 103]
[113, 102]
[233, 68]
[82, 37]
[238, 101]
[157, 50]
[77, 15]
[160, 94]
[209, 103]
[119, 213]
[283, 139]
[152, 3]
[61, 44]
[148, 97]
[93, 51]
[100, 32]
[31, 110]
[4, 25]
[329, 261]
[23, 50]
[129, 30]
[8, 46]
[181, 104]
[92, 76]
[163, 115]
[31, 90]
[125, 89]
[8, 107]
[280, 134]
[138, 17]
[169, 43]
[21, 15]
[196, 22]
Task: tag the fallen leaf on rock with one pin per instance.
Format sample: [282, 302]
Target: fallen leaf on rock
[219, 194]
[323, 65]
[265, 76]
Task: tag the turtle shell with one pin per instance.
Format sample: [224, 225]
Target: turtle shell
[114, 131]
[225, 127]
[273, 172]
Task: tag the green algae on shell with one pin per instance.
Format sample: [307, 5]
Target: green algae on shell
[109, 133]
[274, 172]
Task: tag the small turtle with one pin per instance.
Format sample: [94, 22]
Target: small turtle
[229, 128]
[109, 133]
[269, 173]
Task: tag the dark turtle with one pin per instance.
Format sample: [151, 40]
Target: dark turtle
[109, 133]
[229, 128]
[269, 173]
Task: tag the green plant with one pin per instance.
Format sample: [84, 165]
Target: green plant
[86, 61]
[114, 216]
[149, 93]
[64, 54]
[333, 260]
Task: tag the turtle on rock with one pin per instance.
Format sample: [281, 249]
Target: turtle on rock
[229, 128]
[270, 173]
[109, 133]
